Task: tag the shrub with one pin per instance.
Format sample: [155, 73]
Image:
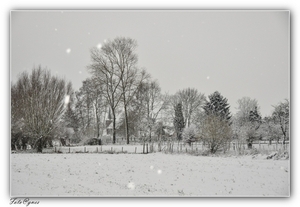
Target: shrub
[189, 134]
[216, 132]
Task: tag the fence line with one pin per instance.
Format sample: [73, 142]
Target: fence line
[152, 147]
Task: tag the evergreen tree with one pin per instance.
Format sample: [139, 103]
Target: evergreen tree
[255, 118]
[217, 105]
[178, 121]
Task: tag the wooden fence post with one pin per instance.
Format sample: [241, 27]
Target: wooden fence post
[84, 150]
[55, 149]
[135, 150]
[69, 150]
[147, 148]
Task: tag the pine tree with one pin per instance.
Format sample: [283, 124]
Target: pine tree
[217, 105]
[178, 121]
[255, 118]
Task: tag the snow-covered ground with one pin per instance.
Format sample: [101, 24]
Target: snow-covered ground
[155, 174]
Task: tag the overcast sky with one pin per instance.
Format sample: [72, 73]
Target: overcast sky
[238, 53]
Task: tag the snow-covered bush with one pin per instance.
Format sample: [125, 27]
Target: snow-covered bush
[189, 134]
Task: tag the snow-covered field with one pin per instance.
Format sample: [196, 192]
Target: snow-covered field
[155, 174]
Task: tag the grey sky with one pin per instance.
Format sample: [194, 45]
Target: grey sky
[238, 53]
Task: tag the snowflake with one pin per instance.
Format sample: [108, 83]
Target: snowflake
[131, 185]
[67, 99]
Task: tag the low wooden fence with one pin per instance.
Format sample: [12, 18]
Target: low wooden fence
[171, 147]
[199, 146]
[137, 149]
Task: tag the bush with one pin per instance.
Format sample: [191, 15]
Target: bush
[216, 132]
[189, 134]
[92, 141]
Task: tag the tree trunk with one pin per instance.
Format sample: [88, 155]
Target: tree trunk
[24, 142]
[97, 122]
[249, 145]
[126, 124]
[13, 146]
[114, 127]
[150, 130]
[39, 145]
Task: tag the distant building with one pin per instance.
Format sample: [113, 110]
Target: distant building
[108, 125]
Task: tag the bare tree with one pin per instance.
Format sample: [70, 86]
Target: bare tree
[248, 120]
[41, 99]
[281, 116]
[115, 65]
[84, 106]
[104, 71]
[245, 106]
[154, 103]
[91, 108]
[270, 129]
[192, 102]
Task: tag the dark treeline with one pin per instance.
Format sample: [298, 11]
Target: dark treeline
[122, 103]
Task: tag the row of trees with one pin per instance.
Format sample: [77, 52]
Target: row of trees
[124, 98]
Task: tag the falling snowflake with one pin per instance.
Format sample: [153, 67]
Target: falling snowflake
[131, 185]
[80, 72]
[67, 99]
[159, 172]
[55, 30]
[99, 46]
[68, 50]
[151, 167]
[207, 77]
